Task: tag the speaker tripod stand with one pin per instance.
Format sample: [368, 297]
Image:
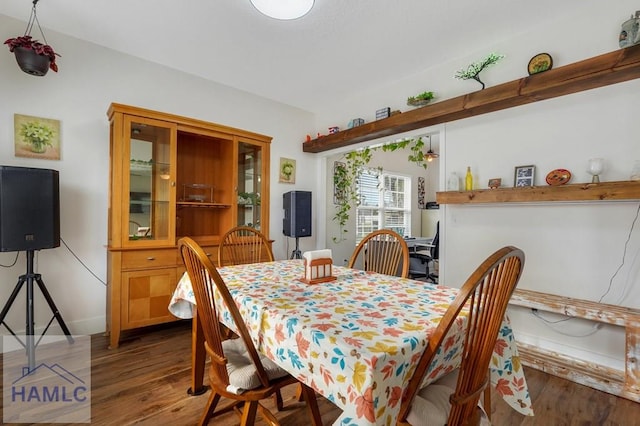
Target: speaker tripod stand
[29, 278]
[296, 253]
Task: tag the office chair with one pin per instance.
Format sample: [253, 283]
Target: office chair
[430, 256]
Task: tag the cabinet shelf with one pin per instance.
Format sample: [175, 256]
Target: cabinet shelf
[609, 68]
[203, 205]
[604, 191]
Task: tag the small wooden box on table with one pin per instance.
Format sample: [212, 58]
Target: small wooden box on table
[317, 271]
[317, 267]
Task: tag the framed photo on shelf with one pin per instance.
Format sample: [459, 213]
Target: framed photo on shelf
[495, 183]
[524, 176]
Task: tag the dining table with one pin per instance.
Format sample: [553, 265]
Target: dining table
[356, 340]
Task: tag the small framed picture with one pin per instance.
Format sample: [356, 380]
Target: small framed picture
[383, 113]
[36, 137]
[287, 170]
[495, 183]
[524, 176]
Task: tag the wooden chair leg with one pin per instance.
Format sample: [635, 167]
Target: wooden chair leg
[249, 412]
[214, 398]
[267, 416]
[300, 393]
[309, 396]
[277, 397]
[212, 404]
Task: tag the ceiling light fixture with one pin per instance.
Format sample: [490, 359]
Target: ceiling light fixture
[430, 155]
[283, 9]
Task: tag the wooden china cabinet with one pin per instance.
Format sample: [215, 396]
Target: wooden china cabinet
[173, 176]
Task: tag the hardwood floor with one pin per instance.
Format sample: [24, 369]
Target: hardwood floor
[144, 382]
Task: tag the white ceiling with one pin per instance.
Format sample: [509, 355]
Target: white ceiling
[339, 49]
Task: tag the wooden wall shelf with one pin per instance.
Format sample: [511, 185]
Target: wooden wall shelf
[605, 191]
[609, 68]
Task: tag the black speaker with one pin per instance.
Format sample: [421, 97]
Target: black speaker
[29, 208]
[297, 214]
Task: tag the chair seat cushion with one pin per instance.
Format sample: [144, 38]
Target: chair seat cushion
[431, 405]
[242, 372]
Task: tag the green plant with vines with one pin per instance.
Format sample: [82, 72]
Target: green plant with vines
[346, 174]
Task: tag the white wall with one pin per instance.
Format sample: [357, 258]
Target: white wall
[90, 78]
[572, 249]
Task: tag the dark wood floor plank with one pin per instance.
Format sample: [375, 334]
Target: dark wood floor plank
[145, 382]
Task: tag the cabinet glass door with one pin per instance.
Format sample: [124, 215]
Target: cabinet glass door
[250, 181]
[151, 180]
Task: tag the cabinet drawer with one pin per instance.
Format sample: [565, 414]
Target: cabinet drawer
[211, 252]
[143, 259]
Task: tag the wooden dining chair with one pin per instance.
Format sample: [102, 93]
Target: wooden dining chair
[483, 299]
[383, 251]
[243, 244]
[238, 371]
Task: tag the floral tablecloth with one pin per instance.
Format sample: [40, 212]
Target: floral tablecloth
[355, 340]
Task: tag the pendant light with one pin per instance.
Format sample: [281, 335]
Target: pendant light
[430, 155]
[283, 9]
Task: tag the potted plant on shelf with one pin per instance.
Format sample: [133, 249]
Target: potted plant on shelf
[421, 99]
[473, 70]
[33, 57]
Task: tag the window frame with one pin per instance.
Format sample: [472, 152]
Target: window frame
[377, 217]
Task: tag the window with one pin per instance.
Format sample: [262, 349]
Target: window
[385, 203]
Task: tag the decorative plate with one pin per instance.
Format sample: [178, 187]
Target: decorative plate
[558, 177]
[539, 63]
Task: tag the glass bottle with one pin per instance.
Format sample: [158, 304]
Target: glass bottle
[468, 180]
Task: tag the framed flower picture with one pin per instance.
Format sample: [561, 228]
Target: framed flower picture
[36, 137]
[287, 170]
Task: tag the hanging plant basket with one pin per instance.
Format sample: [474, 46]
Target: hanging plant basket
[33, 57]
[31, 62]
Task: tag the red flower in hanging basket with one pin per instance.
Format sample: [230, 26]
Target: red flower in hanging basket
[27, 42]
